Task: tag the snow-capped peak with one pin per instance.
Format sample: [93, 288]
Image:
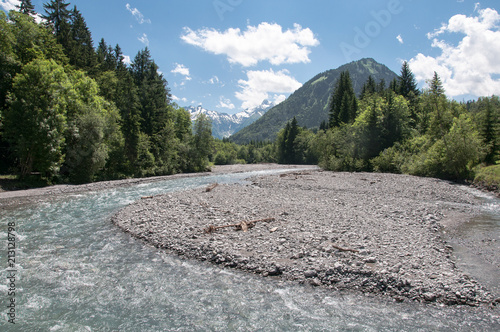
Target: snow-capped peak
[223, 124]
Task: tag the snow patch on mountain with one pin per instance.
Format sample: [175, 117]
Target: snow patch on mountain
[223, 124]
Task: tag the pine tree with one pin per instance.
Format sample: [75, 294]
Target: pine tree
[489, 126]
[381, 86]
[408, 88]
[81, 53]
[407, 82]
[369, 88]
[26, 7]
[118, 55]
[343, 105]
[394, 86]
[58, 15]
[436, 86]
[154, 96]
[106, 56]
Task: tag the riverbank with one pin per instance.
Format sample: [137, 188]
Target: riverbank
[16, 197]
[371, 233]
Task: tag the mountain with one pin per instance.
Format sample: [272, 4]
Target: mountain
[309, 104]
[225, 125]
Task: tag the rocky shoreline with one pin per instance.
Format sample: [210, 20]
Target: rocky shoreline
[381, 234]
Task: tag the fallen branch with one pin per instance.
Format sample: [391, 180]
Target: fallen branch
[294, 174]
[211, 187]
[243, 225]
[343, 249]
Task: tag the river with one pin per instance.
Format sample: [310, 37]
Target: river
[75, 271]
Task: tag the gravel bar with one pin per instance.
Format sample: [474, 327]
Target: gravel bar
[380, 234]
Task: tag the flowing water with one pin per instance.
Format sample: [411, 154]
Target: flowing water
[77, 272]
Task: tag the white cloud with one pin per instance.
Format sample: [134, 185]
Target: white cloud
[175, 98]
[261, 83]
[214, 80]
[266, 42]
[137, 14]
[8, 5]
[470, 67]
[278, 99]
[225, 103]
[400, 39]
[144, 39]
[181, 69]
[126, 60]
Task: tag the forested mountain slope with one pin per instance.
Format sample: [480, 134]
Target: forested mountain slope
[309, 104]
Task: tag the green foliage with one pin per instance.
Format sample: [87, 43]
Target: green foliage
[489, 176]
[408, 87]
[26, 7]
[57, 121]
[201, 144]
[57, 14]
[35, 122]
[486, 113]
[343, 104]
[92, 130]
[452, 156]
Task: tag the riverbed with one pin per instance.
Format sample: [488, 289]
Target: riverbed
[77, 271]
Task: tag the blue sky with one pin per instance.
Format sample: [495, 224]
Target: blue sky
[228, 55]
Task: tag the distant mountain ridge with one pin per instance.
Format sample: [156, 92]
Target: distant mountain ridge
[225, 125]
[309, 104]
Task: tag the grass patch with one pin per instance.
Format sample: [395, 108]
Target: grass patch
[488, 176]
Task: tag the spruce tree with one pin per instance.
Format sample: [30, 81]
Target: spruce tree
[343, 105]
[290, 142]
[407, 82]
[381, 86]
[436, 86]
[154, 96]
[489, 126]
[369, 88]
[394, 86]
[81, 52]
[26, 7]
[58, 15]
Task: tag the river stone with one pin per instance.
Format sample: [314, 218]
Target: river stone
[310, 274]
[339, 232]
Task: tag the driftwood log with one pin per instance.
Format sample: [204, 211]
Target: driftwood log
[243, 225]
[211, 187]
[343, 249]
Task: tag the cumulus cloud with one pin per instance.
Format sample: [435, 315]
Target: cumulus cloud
[144, 39]
[126, 60]
[8, 5]
[266, 42]
[225, 103]
[400, 39]
[472, 66]
[137, 14]
[261, 83]
[181, 69]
